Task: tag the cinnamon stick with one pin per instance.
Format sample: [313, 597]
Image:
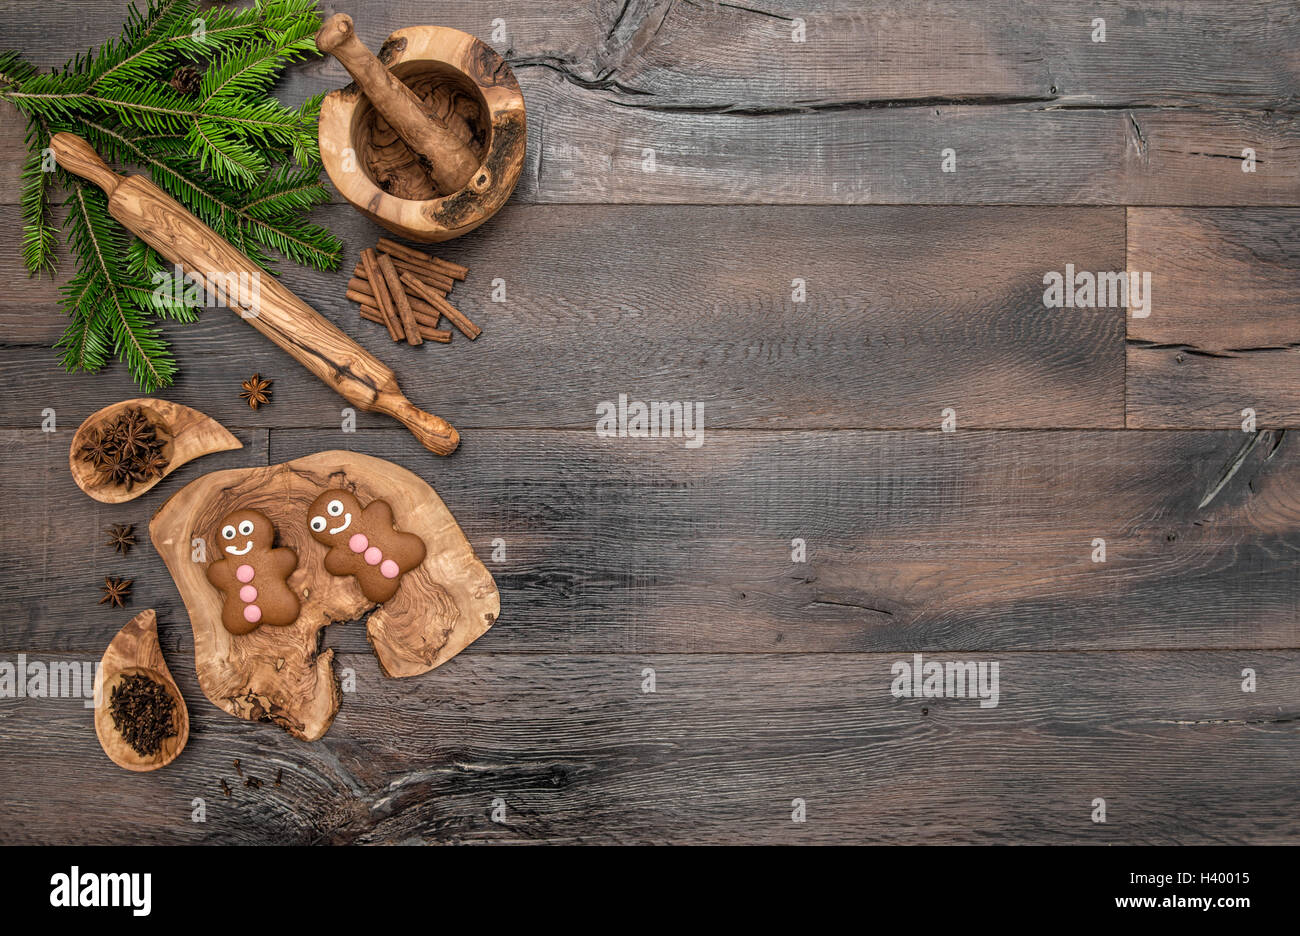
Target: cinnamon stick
[361, 282]
[440, 335]
[438, 281]
[435, 275]
[454, 315]
[428, 272]
[370, 261]
[364, 295]
[398, 294]
[426, 323]
[392, 247]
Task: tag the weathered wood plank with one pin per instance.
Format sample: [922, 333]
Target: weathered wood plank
[1028, 153]
[577, 753]
[583, 149]
[772, 676]
[914, 541]
[29, 312]
[908, 311]
[1224, 330]
[704, 53]
[970, 540]
[861, 111]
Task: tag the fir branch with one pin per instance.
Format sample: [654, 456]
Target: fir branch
[39, 239]
[14, 72]
[229, 158]
[170, 31]
[144, 265]
[218, 142]
[252, 70]
[260, 216]
[128, 59]
[98, 300]
[289, 191]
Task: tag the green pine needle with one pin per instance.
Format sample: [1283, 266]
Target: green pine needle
[245, 164]
[39, 238]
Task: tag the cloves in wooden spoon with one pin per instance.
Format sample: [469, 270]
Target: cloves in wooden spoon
[135, 653]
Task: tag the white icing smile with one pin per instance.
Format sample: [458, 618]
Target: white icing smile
[239, 552]
[347, 522]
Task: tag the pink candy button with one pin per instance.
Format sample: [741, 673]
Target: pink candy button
[389, 569]
[358, 543]
[248, 594]
[373, 555]
[252, 613]
[244, 573]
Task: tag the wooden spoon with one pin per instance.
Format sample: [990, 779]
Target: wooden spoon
[188, 434]
[135, 650]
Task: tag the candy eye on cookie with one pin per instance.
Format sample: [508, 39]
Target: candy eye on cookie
[333, 514]
[244, 530]
[319, 524]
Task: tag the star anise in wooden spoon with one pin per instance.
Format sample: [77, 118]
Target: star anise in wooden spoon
[125, 451]
[117, 591]
[153, 465]
[96, 448]
[257, 390]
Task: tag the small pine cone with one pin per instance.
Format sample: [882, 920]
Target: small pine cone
[186, 79]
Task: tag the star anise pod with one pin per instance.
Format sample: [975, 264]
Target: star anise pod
[121, 536]
[112, 466]
[95, 448]
[153, 465]
[136, 433]
[134, 475]
[117, 591]
[257, 390]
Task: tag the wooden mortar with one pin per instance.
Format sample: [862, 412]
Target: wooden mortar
[472, 91]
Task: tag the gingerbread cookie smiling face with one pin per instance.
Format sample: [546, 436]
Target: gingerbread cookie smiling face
[252, 575]
[364, 542]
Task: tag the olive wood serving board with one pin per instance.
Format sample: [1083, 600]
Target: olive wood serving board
[277, 674]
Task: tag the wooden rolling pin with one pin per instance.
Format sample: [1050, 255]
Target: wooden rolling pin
[443, 155]
[166, 226]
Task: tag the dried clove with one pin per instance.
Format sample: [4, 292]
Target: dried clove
[142, 713]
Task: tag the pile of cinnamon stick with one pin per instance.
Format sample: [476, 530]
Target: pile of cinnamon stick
[405, 290]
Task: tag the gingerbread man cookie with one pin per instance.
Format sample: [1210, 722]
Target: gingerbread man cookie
[252, 575]
[364, 543]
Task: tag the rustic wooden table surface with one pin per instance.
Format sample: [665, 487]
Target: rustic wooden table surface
[688, 162]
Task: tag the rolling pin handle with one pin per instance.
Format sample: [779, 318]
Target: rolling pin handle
[433, 432]
[78, 157]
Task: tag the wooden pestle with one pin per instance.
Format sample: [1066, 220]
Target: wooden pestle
[166, 226]
[444, 155]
